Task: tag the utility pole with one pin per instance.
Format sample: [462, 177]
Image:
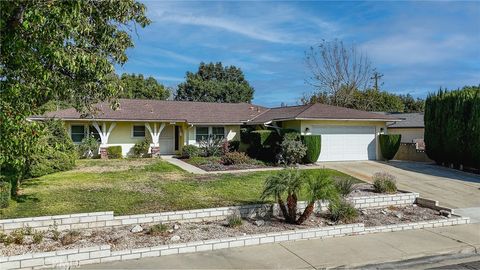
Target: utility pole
[376, 77]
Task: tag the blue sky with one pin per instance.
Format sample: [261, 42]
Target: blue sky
[418, 46]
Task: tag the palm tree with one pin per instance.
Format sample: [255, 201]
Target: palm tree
[320, 188]
[290, 182]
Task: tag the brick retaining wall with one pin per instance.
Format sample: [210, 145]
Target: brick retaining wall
[107, 219]
[103, 254]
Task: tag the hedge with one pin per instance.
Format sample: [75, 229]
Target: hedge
[114, 152]
[452, 127]
[313, 144]
[389, 144]
[263, 144]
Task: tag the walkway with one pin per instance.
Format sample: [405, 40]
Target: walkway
[183, 165]
[351, 251]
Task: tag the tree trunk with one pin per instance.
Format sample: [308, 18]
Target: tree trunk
[282, 208]
[306, 213]
[292, 207]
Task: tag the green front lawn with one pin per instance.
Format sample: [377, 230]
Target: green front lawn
[134, 186]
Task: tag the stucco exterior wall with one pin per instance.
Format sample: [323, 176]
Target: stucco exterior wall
[121, 135]
[408, 134]
[377, 124]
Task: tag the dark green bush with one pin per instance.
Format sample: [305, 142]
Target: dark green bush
[452, 127]
[52, 161]
[190, 151]
[384, 183]
[5, 190]
[55, 152]
[140, 149]
[313, 144]
[233, 146]
[389, 144]
[235, 158]
[114, 152]
[342, 211]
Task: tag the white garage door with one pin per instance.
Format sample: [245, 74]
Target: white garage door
[346, 142]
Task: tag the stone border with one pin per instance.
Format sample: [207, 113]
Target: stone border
[107, 219]
[103, 254]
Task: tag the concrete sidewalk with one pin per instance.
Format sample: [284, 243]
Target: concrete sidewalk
[350, 251]
[183, 165]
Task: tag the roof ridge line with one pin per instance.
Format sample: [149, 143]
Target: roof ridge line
[267, 109]
[308, 106]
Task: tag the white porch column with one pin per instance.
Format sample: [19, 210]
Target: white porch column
[154, 133]
[103, 132]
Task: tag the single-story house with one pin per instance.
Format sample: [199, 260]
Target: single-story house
[347, 134]
[412, 127]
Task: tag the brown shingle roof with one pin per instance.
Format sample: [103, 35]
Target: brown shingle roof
[318, 111]
[160, 110]
[220, 113]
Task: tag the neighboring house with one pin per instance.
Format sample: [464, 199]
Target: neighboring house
[412, 127]
[347, 134]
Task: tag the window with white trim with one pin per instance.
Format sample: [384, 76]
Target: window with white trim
[201, 133]
[218, 132]
[94, 132]
[77, 133]
[138, 131]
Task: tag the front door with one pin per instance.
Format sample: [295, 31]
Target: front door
[177, 137]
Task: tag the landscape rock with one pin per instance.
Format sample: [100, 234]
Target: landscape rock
[175, 238]
[136, 229]
[399, 215]
[176, 226]
[259, 222]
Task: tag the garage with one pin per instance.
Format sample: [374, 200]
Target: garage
[343, 143]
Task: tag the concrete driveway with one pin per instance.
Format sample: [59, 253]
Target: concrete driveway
[450, 187]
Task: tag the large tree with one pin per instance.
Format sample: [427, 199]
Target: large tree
[337, 71]
[136, 86]
[58, 50]
[215, 83]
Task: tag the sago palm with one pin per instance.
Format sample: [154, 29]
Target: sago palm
[288, 181]
[318, 188]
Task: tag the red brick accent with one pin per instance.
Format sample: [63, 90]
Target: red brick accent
[155, 151]
[103, 153]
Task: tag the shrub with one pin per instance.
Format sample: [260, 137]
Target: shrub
[234, 220]
[235, 158]
[452, 127]
[140, 149]
[37, 237]
[6, 239]
[293, 150]
[53, 152]
[5, 191]
[389, 145]
[114, 152]
[55, 232]
[313, 144]
[190, 151]
[70, 237]
[233, 146]
[88, 147]
[211, 147]
[344, 186]
[384, 183]
[342, 211]
[158, 229]
[18, 236]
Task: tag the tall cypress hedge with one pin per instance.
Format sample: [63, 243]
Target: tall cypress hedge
[389, 144]
[313, 144]
[452, 127]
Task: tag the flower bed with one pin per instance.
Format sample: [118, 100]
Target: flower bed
[216, 164]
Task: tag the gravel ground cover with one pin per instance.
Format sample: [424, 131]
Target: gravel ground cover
[136, 236]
